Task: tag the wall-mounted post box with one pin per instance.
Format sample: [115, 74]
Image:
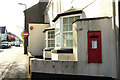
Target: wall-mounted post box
[94, 47]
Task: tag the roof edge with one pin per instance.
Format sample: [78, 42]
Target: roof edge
[92, 18]
[48, 30]
[68, 13]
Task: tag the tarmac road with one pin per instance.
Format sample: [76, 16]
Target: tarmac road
[13, 63]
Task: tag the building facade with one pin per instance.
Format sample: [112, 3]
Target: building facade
[3, 33]
[74, 26]
[33, 14]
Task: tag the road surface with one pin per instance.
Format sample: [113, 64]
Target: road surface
[13, 63]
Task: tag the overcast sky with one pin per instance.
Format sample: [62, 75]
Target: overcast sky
[12, 16]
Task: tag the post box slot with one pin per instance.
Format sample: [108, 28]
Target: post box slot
[93, 36]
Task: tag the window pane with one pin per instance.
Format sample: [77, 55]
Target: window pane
[52, 34]
[49, 35]
[57, 27]
[57, 40]
[3, 30]
[65, 21]
[65, 24]
[67, 39]
[70, 27]
[52, 41]
[52, 45]
[69, 43]
[65, 28]
[71, 19]
[48, 43]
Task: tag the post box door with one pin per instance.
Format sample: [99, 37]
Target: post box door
[94, 47]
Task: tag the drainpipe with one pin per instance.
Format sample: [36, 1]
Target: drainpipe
[117, 38]
[25, 30]
[118, 41]
[114, 25]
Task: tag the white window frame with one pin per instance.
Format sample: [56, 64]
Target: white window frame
[46, 39]
[61, 30]
[58, 33]
[67, 31]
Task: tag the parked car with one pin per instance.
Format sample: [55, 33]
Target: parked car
[4, 44]
[17, 43]
[12, 43]
[9, 44]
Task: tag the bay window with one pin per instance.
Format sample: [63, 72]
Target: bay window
[63, 31]
[67, 31]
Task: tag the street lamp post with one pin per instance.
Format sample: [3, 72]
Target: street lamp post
[24, 5]
[24, 14]
[25, 39]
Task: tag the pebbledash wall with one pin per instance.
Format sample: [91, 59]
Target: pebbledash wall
[92, 11]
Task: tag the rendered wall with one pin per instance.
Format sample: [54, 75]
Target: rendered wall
[47, 54]
[62, 56]
[81, 66]
[36, 39]
[80, 46]
[90, 8]
[99, 8]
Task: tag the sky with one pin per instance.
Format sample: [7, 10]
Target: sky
[12, 16]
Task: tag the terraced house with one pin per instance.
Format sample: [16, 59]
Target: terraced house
[77, 39]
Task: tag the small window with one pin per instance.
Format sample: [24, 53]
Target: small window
[50, 39]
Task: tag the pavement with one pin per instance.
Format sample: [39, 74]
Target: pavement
[15, 66]
[1, 50]
[18, 69]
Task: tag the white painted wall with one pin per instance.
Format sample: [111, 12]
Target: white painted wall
[81, 66]
[46, 54]
[90, 8]
[62, 56]
[99, 8]
[36, 39]
[80, 47]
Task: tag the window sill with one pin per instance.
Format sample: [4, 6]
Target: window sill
[48, 49]
[62, 51]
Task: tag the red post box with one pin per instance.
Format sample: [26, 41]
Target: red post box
[94, 47]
